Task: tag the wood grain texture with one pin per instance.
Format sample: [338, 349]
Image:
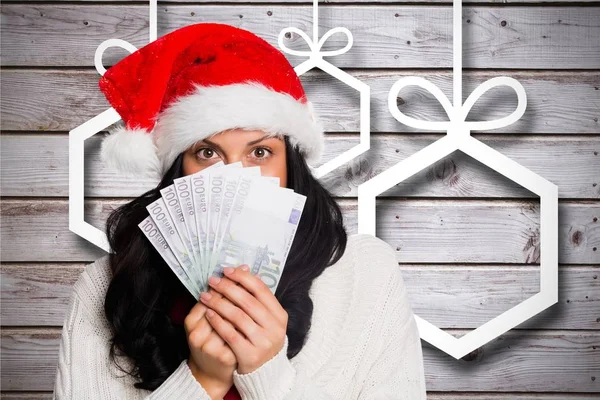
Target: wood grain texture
[37, 295]
[449, 296]
[366, 2]
[430, 396]
[553, 361]
[384, 36]
[467, 239]
[557, 102]
[423, 231]
[572, 163]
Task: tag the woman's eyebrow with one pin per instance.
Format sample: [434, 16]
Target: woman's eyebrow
[212, 144]
[257, 140]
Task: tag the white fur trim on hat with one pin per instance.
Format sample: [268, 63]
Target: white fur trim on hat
[250, 105]
[131, 152]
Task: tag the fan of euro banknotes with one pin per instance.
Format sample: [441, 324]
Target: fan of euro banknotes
[224, 216]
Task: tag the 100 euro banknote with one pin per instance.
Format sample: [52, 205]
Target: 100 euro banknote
[260, 233]
[224, 215]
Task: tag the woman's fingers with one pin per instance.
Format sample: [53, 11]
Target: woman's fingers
[239, 296]
[213, 343]
[199, 334]
[236, 341]
[203, 337]
[218, 348]
[258, 289]
[234, 316]
[197, 313]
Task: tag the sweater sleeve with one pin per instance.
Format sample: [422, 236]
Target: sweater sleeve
[398, 372]
[395, 372]
[84, 369]
[277, 379]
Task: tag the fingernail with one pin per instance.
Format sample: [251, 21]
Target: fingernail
[214, 280]
[210, 313]
[245, 267]
[205, 296]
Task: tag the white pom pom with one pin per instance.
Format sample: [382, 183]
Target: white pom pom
[131, 152]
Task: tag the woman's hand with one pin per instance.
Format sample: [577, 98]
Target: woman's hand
[248, 317]
[211, 360]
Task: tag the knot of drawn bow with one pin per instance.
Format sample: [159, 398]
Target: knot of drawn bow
[315, 45]
[457, 114]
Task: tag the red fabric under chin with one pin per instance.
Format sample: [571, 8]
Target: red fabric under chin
[233, 394]
[182, 305]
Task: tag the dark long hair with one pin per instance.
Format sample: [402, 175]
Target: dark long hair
[143, 287]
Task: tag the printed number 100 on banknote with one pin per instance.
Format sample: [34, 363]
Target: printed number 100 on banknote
[254, 223]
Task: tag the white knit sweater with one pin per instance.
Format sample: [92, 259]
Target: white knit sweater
[363, 342]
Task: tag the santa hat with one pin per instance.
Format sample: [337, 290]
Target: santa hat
[197, 81]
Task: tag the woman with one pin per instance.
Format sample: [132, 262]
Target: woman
[339, 325]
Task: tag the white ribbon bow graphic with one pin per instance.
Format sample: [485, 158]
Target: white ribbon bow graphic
[457, 114]
[316, 59]
[315, 44]
[459, 138]
[125, 45]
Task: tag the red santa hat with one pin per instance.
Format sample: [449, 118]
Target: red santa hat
[197, 81]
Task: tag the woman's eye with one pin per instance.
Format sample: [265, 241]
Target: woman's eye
[206, 153]
[261, 152]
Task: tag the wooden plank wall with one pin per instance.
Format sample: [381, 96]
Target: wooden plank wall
[467, 239]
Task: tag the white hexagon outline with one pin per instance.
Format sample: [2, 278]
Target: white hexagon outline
[548, 193]
[458, 138]
[78, 135]
[316, 60]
